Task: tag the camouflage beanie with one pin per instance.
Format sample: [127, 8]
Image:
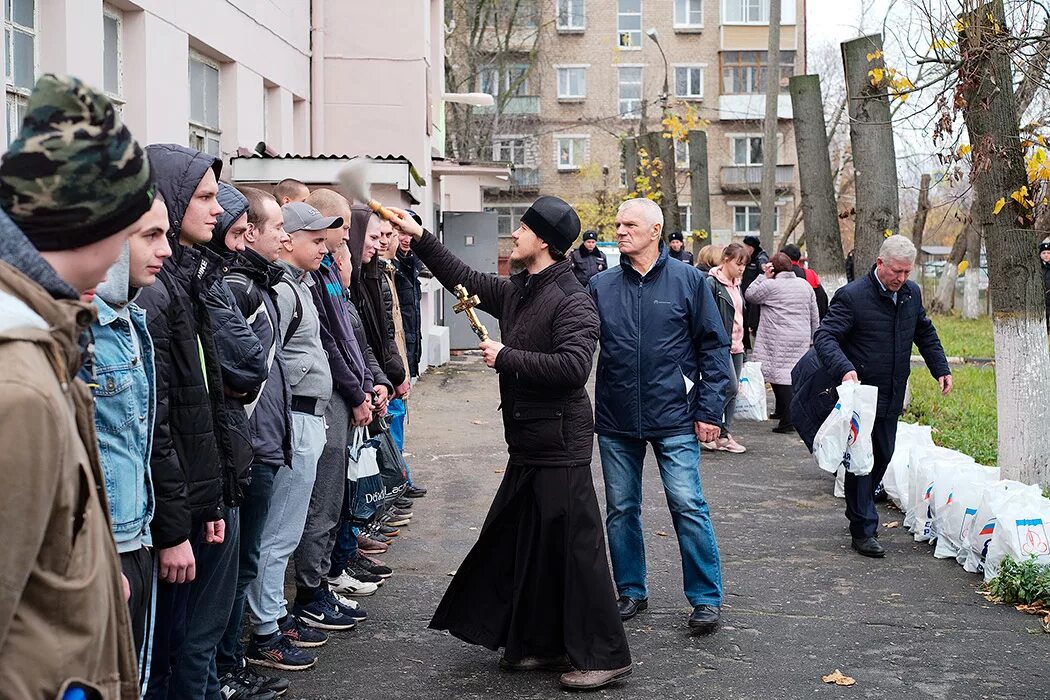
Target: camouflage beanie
[74, 175]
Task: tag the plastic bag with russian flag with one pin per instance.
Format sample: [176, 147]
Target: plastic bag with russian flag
[958, 495]
[1022, 530]
[844, 438]
[984, 520]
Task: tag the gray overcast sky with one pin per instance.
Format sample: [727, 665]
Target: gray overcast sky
[833, 21]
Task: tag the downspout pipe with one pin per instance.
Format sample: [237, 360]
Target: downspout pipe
[317, 98]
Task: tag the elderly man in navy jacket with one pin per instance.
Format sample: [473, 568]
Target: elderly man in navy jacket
[663, 372]
[867, 336]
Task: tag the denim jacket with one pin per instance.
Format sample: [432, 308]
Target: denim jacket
[122, 381]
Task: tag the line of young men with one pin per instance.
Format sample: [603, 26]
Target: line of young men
[226, 363]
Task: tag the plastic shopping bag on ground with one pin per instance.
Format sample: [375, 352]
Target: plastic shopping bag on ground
[983, 523]
[751, 394]
[844, 438]
[362, 473]
[924, 460]
[958, 494]
[1022, 531]
[898, 472]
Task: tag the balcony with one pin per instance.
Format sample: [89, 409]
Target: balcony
[522, 178]
[519, 104]
[748, 178]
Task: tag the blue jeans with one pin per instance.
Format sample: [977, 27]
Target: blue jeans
[397, 411]
[255, 507]
[679, 460]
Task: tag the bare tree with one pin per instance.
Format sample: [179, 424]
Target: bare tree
[767, 207]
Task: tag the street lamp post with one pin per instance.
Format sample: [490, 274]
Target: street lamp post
[665, 96]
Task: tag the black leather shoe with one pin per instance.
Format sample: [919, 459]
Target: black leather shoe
[869, 547]
[629, 607]
[784, 429]
[705, 618]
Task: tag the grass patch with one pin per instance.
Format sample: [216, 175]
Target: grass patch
[965, 420]
[963, 337]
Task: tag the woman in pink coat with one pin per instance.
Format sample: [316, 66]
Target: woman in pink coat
[785, 332]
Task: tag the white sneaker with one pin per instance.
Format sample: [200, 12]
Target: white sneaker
[347, 584]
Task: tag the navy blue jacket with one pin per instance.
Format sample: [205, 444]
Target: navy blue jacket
[664, 361]
[864, 331]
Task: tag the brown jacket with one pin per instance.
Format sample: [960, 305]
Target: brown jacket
[62, 612]
[389, 272]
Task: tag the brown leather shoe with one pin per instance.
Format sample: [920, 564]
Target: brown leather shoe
[536, 663]
[366, 545]
[592, 680]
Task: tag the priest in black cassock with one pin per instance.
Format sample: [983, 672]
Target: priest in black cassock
[537, 581]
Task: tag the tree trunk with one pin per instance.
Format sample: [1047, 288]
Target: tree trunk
[971, 306]
[819, 211]
[699, 189]
[1022, 363]
[942, 300]
[768, 201]
[630, 162]
[668, 183]
[874, 157]
[918, 228]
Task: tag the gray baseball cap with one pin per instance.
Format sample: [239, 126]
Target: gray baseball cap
[300, 216]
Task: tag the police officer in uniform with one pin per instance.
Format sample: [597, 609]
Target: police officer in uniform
[676, 242]
[588, 260]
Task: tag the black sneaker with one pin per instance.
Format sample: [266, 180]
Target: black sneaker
[232, 687]
[403, 502]
[322, 614]
[300, 635]
[363, 574]
[276, 651]
[388, 531]
[416, 492]
[372, 566]
[276, 684]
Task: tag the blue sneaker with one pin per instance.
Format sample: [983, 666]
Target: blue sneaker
[348, 607]
[299, 634]
[322, 614]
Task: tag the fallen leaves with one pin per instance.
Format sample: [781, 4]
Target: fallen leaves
[894, 524]
[661, 533]
[498, 471]
[838, 678]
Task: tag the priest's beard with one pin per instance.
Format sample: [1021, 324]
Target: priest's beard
[517, 264]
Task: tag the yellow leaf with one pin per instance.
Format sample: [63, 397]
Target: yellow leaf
[964, 150]
[1041, 139]
[838, 678]
[1020, 195]
[963, 265]
[999, 205]
[887, 233]
[941, 44]
[874, 56]
[876, 75]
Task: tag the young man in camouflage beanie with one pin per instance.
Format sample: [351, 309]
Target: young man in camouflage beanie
[72, 186]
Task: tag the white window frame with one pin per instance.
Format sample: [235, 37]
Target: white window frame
[500, 139]
[117, 98]
[702, 67]
[787, 13]
[631, 45]
[733, 138]
[566, 96]
[679, 23]
[576, 22]
[685, 215]
[197, 130]
[17, 98]
[635, 113]
[681, 155]
[758, 221]
[582, 141]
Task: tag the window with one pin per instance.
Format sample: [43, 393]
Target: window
[689, 82]
[509, 149]
[689, 14]
[685, 215]
[571, 15]
[744, 72]
[512, 79]
[572, 82]
[522, 13]
[755, 12]
[681, 155]
[20, 51]
[507, 217]
[747, 150]
[747, 218]
[113, 55]
[629, 24]
[630, 91]
[571, 152]
[204, 104]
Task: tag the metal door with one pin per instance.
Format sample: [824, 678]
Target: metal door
[474, 237]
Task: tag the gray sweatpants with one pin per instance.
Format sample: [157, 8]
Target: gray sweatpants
[314, 555]
[289, 503]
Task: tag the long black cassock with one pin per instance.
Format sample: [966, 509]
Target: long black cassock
[537, 581]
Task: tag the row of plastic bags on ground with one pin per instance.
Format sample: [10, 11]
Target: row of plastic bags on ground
[965, 508]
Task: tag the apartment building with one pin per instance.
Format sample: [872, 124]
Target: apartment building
[595, 68]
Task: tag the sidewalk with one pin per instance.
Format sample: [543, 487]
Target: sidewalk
[799, 602]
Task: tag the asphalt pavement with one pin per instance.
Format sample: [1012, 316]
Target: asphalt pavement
[799, 603]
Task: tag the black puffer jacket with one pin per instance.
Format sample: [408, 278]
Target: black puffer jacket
[185, 462]
[549, 326]
[366, 293]
[409, 294]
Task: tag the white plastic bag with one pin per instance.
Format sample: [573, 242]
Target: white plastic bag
[896, 480]
[751, 394]
[844, 438]
[984, 521]
[958, 494]
[924, 459]
[840, 482]
[1022, 530]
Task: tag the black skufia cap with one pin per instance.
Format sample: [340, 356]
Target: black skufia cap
[554, 221]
